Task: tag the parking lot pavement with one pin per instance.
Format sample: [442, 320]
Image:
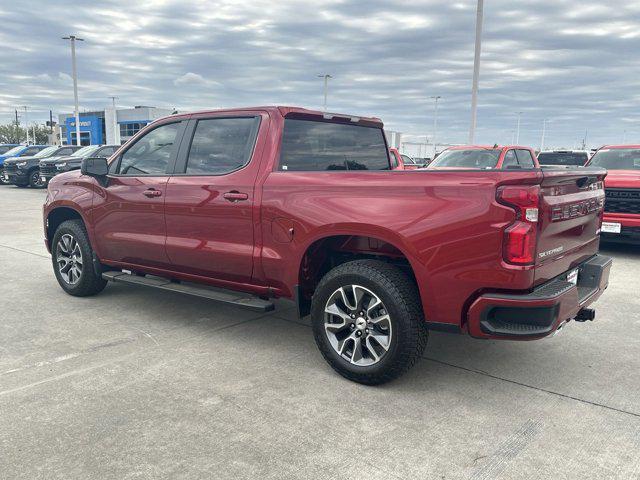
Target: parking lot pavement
[134, 383]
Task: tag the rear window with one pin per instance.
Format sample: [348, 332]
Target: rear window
[617, 159]
[309, 145]
[562, 158]
[472, 158]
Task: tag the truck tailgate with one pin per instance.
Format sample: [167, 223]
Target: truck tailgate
[570, 214]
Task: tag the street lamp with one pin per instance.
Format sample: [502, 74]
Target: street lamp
[518, 129]
[26, 123]
[476, 72]
[544, 131]
[326, 86]
[435, 123]
[73, 40]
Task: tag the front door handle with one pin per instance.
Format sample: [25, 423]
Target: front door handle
[235, 196]
[152, 192]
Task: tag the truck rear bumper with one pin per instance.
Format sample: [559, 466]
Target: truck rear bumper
[541, 312]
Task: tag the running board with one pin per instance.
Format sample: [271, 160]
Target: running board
[218, 294]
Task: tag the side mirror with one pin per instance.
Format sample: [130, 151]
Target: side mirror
[94, 167]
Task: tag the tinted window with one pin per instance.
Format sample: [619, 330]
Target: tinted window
[472, 158]
[222, 145]
[510, 160]
[106, 151]
[525, 159]
[150, 154]
[562, 158]
[617, 159]
[5, 148]
[319, 146]
[66, 151]
[30, 151]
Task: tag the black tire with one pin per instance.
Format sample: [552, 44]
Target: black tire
[34, 179]
[2, 180]
[88, 282]
[402, 301]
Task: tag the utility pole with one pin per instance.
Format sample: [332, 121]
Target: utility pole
[17, 121]
[518, 129]
[26, 123]
[544, 129]
[435, 123]
[584, 140]
[116, 129]
[73, 40]
[326, 87]
[476, 72]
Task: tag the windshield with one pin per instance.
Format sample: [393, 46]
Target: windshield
[5, 148]
[562, 158]
[15, 150]
[46, 152]
[472, 158]
[617, 159]
[84, 151]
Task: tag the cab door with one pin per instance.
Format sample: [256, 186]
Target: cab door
[210, 200]
[128, 213]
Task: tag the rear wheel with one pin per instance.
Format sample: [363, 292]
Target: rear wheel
[72, 258]
[368, 322]
[2, 180]
[35, 181]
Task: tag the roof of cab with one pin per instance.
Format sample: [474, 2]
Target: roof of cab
[288, 110]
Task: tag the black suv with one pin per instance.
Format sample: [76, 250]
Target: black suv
[50, 167]
[25, 171]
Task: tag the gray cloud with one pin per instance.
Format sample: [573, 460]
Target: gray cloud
[573, 62]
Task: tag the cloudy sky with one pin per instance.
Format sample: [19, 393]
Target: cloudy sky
[574, 62]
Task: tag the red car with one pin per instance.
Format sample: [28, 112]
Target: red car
[485, 157]
[622, 188]
[397, 162]
[246, 205]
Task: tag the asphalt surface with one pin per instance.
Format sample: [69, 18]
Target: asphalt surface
[135, 383]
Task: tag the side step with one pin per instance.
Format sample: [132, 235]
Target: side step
[218, 294]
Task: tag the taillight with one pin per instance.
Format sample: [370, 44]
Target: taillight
[519, 243]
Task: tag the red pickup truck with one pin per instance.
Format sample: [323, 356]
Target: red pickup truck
[622, 189]
[246, 205]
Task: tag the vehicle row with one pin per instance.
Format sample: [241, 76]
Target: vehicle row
[34, 165]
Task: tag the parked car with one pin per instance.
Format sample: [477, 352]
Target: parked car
[397, 161]
[484, 157]
[413, 163]
[621, 222]
[284, 202]
[5, 147]
[50, 167]
[17, 151]
[25, 171]
[563, 157]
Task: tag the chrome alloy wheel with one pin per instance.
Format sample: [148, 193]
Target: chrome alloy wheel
[69, 259]
[357, 325]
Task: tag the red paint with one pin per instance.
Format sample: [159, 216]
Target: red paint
[255, 230]
[396, 160]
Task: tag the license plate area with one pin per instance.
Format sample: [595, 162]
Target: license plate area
[572, 276]
[611, 227]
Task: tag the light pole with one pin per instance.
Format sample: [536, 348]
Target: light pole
[435, 123]
[476, 72]
[73, 39]
[544, 130]
[26, 123]
[518, 129]
[326, 88]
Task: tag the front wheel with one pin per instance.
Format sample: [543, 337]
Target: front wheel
[72, 258]
[2, 180]
[368, 322]
[35, 181]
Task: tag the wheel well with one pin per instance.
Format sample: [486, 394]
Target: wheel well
[56, 217]
[329, 252]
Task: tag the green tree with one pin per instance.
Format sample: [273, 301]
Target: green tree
[12, 133]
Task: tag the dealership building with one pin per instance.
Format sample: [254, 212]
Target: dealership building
[110, 126]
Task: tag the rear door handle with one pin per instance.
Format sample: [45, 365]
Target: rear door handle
[152, 192]
[235, 196]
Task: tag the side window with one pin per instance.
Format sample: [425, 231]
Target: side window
[150, 154]
[510, 160]
[309, 145]
[525, 159]
[65, 151]
[221, 145]
[394, 160]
